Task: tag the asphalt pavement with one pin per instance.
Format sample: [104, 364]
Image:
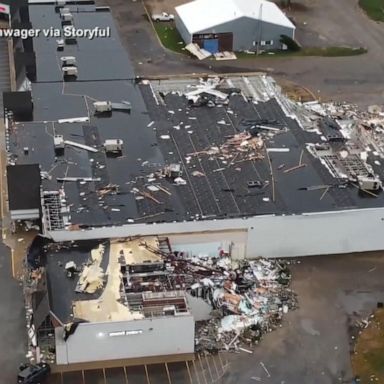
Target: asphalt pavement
[12, 320]
[315, 341]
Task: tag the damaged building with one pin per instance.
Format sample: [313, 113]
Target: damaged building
[157, 195]
[198, 160]
[128, 298]
[119, 296]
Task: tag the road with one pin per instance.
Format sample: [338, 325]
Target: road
[357, 79]
[12, 320]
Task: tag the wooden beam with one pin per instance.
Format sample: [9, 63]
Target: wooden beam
[294, 168]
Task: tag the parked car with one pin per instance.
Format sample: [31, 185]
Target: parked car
[33, 373]
[163, 16]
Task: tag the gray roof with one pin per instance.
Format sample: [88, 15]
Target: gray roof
[199, 15]
[222, 193]
[24, 186]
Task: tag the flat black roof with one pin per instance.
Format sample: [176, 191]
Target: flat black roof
[19, 103]
[106, 73]
[61, 288]
[24, 183]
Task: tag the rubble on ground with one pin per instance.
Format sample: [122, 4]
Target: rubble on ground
[249, 298]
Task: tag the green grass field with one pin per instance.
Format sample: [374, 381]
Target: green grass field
[373, 8]
[325, 52]
[170, 37]
[368, 359]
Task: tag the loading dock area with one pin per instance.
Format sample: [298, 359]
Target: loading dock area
[189, 371]
[214, 42]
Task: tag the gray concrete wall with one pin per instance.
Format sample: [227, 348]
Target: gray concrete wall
[187, 37]
[270, 236]
[160, 336]
[246, 31]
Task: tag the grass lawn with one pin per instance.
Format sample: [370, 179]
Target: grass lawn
[170, 37]
[368, 361]
[373, 8]
[325, 52]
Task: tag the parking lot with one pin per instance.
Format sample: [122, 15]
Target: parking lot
[315, 342]
[205, 369]
[12, 320]
[158, 6]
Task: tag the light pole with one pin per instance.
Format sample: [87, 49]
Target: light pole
[260, 28]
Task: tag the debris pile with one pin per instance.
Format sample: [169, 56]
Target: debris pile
[352, 143]
[209, 92]
[108, 189]
[237, 148]
[92, 276]
[249, 298]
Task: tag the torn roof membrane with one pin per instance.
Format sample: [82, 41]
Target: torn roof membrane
[227, 141]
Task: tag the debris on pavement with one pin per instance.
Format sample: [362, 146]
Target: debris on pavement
[248, 298]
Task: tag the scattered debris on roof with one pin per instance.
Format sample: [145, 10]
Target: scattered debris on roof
[79, 145]
[92, 276]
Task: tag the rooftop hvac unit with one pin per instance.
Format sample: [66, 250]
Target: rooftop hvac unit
[169, 310]
[60, 44]
[113, 145]
[369, 183]
[58, 142]
[64, 10]
[70, 71]
[71, 265]
[59, 4]
[71, 268]
[68, 17]
[173, 170]
[68, 61]
[102, 106]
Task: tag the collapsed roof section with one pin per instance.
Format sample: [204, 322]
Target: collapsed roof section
[114, 286]
[120, 280]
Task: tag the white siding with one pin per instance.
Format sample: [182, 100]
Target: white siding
[187, 37]
[270, 236]
[92, 341]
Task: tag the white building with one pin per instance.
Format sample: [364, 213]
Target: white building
[233, 25]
